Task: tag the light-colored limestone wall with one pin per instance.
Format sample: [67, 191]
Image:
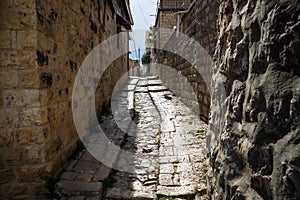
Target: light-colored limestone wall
[43, 43]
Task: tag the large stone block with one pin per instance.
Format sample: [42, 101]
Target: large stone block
[5, 39]
[14, 189]
[13, 156]
[31, 135]
[8, 117]
[8, 79]
[30, 174]
[19, 4]
[17, 18]
[32, 117]
[4, 57]
[21, 98]
[6, 137]
[1, 98]
[35, 155]
[6, 175]
[28, 78]
[25, 39]
[22, 59]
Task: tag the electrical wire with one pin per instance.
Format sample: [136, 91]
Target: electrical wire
[142, 12]
[133, 39]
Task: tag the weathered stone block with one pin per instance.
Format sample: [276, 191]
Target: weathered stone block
[4, 58]
[102, 173]
[21, 98]
[8, 79]
[30, 174]
[70, 187]
[22, 59]
[13, 156]
[32, 117]
[31, 135]
[6, 175]
[35, 155]
[28, 79]
[12, 190]
[25, 39]
[8, 118]
[6, 137]
[5, 39]
[17, 19]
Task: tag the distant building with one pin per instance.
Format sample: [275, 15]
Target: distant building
[166, 18]
[134, 67]
[149, 39]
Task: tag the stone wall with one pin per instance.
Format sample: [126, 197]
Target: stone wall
[200, 25]
[166, 20]
[177, 4]
[43, 43]
[134, 67]
[258, 61]
[23, 119]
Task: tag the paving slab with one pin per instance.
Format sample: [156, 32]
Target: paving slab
[154, 82]
[70, 187]
[167, 141]
[157, 88]
[139, 89]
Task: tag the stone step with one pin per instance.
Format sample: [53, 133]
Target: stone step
[142, 83]
[121, 193]
[133, 80]
[72, 188]
[152, 77]
[160, 88]
[154, 82]
[139, 89]
[176, 191]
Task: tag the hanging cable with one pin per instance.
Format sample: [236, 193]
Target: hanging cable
[142, 12]
[133, 39]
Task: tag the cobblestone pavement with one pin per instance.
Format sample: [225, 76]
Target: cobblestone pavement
[166, 139]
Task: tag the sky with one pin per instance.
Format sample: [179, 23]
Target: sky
[141, 12]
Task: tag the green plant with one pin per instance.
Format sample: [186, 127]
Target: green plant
[146, 58]
[158, 141]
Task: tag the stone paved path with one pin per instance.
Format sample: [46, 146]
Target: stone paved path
[167, 144]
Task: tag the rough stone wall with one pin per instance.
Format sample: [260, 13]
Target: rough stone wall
[199, 24]
[257, 155]
[167, 20]
[171, 4]
[43, 43]
[23, 119]
[133, 66]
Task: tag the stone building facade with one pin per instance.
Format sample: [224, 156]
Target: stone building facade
[134, 67]
[198, 21]
[166, 19]
[43, 43]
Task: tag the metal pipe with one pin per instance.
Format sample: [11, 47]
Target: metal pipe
[182, 12]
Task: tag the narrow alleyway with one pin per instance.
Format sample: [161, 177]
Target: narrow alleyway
[168, 146]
